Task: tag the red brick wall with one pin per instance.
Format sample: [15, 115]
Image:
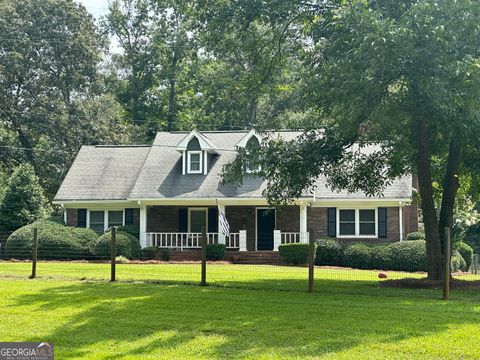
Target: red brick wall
[162, 218]
[317, 220]
[242, 218]
[288, 219]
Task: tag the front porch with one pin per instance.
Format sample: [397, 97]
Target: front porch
[252, 228]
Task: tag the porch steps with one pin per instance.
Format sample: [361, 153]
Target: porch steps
[255, 257]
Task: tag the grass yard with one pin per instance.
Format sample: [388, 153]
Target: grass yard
[349, 316]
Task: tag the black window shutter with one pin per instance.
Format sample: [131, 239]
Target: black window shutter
[128, 216]
[382, 222]
[213, 220]
[183, 220]
[82, 218]
[332, 222]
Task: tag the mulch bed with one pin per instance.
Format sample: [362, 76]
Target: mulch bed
[409, 283]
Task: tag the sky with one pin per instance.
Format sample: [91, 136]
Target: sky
[96, 7]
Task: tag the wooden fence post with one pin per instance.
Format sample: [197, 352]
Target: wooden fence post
[446, 269]
[113, 253]
[34, 253]
[311, 261]
[203, 280]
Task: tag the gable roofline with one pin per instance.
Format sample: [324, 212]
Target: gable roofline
[205, 143]
[244, 140]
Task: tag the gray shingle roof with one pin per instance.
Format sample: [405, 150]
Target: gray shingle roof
[103, 173]
[156, 173]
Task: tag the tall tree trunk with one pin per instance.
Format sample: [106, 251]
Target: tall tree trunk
[252, 112]
[171, 97]
[450, 187]
[26, 144]
[423, 162]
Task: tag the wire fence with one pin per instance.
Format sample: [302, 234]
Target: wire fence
[258, 270]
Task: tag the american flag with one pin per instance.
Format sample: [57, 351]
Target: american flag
[224, 226]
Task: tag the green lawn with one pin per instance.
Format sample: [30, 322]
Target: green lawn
[348, 317]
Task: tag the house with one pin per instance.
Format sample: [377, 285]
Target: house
[172, 189]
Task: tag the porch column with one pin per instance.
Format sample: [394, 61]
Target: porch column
[221, 237]
[303, 221]
[143, 226]
[400, 219]
[242, 240]
[277, 239]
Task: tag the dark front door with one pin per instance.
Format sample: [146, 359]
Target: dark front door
[265, 227]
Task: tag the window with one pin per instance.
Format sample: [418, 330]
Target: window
[357, 222]
[97, 221]
[198, 220]
[115, 218]
[367, 222]
[194, 162]
[347, 222]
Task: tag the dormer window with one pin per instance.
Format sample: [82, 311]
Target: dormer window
[194, 162]
[196, 150]
[249, 142]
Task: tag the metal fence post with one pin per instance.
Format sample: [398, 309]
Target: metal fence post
[113, 253]
[34, 253]
[203, 280]
[446, 269]
[311, 261]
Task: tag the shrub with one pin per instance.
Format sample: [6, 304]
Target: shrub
[329, 252]
[466, 252]
[408, 255]
[294, 253]
[149, 252]
[127, 246]
[457, 262]
[417, 235]
[165, 254]
[358, 256]
[55, 241]
[216, 251]
[472, 237]
[381, 257]
[133, 230]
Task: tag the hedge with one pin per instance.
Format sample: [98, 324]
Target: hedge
[329, 252]
[149, 252]
[127, 246]
[133, 230]
[408, 256]
[55, 241]
[358, 256]
[466, 251]
[294, 253]
[416, 235]
[381, 257]
[216, 251]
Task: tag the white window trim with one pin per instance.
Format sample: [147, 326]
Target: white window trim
[197, 209]
[105, 216]
[357, 223]
[189, 155]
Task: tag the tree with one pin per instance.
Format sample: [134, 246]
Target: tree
[23, 201]
[406, 77]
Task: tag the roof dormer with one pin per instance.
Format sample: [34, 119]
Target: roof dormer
[252, 138]
[196, 150]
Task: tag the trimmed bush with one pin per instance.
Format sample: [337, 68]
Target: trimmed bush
[417, 235]
[408, 255]
[149, 252]
[472, 237]
[457, 262]
[466, 251]
[127, 246]
[295, 254]
[358, 256]
[216, 251]
[381, 257]
[55, 241]
[165, 254]
[329, 252]
[133, 230]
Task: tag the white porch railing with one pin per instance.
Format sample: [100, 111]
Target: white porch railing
[188, 240]
[293, 237]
